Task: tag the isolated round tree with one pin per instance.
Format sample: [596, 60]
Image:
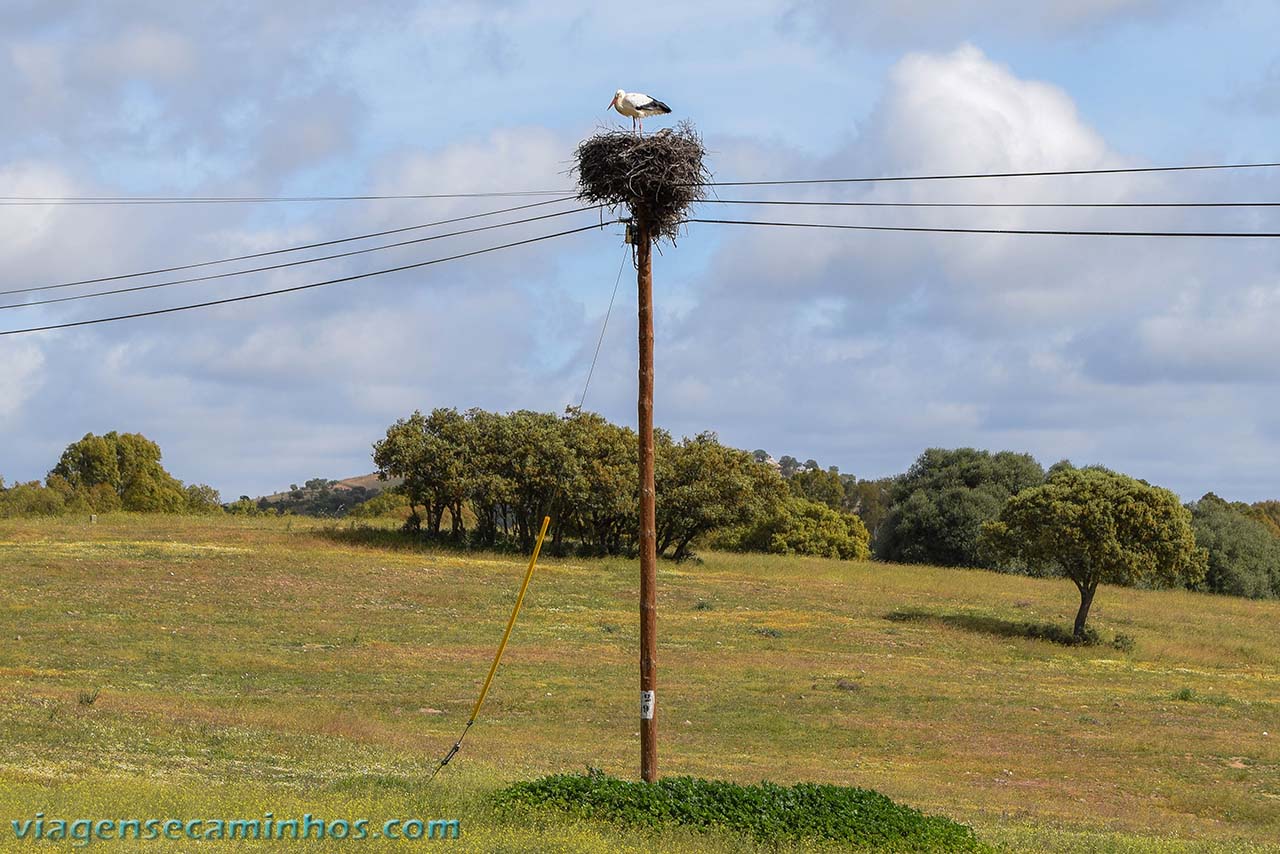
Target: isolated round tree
[1095, 526]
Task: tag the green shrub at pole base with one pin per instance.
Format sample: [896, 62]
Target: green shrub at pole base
[766, 812]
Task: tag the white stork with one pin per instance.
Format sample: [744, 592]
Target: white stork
[638, 107]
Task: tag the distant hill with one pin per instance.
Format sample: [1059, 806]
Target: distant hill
[367, 482]
[323, 497]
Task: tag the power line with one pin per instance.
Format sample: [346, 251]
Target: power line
[994, 204]
[173, 200]
[287, 264]
[1130, 170]
[299, 248]
[211, 200]
[341, 280]
[1059, 232]
[626, 250]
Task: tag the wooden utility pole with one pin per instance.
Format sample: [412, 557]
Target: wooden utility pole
[657, 178]
[648, 515]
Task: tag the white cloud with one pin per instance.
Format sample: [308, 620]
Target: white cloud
[957, 112]
[912, 21]
[21, 365]
[1064, 347]
[41, 69]
[144, 51]
[855, 349]
[963, 111]
[1206, 335]
[525, 158]
[233, 393]
[25, 226]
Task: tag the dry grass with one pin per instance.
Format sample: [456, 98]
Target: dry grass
[255, 655]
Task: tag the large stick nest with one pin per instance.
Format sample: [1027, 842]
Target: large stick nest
[657, 176]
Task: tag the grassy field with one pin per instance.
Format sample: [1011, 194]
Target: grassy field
[251, 665]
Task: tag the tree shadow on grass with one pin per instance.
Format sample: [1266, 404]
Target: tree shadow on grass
[988, 625]
[368, 536]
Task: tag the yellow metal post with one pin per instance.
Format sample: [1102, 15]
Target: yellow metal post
[515, 612]
[493, 668]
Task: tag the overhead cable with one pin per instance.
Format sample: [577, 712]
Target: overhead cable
[299, 248]
[295, 288]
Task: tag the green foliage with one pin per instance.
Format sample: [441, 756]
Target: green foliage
[317, 497]
[428, 452]
[766, 812]
[511, 469]
[386, 504]
[73, 500]
[825, 515]
[102, 474]
[815, 529]
[103, 499]
[55, 497]
[526, 461]
[802, 527]
[939, 505]
[1095, 526]
[939, 528]
[203, 499]
[1190, 695]
[1243, 554]
[703, 486]
[91, 461]
[151, 491]
[1268, 513]
[823, 487]
[246, 506]
[788, 466]
[870, 499]
[600, 492]
[30, 499]
[127, 464]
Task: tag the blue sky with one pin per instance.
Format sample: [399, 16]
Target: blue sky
[1156, 358]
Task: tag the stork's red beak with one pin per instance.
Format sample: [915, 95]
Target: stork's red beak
[611, 103]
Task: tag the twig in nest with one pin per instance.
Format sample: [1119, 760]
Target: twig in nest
[658, 176]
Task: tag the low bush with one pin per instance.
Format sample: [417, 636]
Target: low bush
[386, 504]
[1124, 643]
[801, 527]
[1190, 695]
[30, 499]
[766, 812]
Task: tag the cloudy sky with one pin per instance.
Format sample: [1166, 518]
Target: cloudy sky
[1154, 357]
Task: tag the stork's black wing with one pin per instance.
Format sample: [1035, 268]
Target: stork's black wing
[655, 104]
